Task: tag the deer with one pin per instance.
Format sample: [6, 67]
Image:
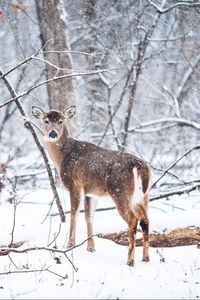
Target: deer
[88, 170]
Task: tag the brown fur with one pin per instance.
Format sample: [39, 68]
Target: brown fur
[86, 168]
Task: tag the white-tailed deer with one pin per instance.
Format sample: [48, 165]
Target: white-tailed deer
[86, 168]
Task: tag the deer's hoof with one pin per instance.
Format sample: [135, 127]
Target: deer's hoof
[146, 259]
[70, 245]
[90, 249]
[130, 263]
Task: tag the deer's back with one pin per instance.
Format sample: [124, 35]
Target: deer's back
[100, 171]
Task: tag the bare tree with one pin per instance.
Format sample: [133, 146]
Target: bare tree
[54, 39]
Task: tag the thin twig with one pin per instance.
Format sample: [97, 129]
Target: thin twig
[55, 237]
[23, 271]
[86, 73]
[179, 192]
[197, 147]
[14, 219]
[5, 250]
[13, 262]
[179, 121]
[54, 273]
[178, 4]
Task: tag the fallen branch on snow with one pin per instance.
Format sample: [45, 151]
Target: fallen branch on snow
[6, 250]
[177, 237]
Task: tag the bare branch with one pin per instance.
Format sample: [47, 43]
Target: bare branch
[119, 102]
[178, 191]
[45, 61]
[197, 147]
[83, 211]
[34, 56]
[32, 271]
[86, 73]
[3, 75]
[109, 87]
[5, 251]
[55, 237]
[70, 52]
[23, 271]
[24, 9]
[14, 219]
[40, 147]
[142, 48]
[192, 67]
[179, 121]
[178, 4]
[181, 191]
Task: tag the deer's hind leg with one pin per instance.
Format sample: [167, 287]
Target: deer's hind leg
[124, 207]
[90, 205]
[141, 214]
[144, 223]
[145, 230]
[132, 229]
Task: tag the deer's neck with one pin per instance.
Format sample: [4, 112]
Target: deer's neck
[57, 151]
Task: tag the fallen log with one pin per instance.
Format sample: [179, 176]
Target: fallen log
[178, 237]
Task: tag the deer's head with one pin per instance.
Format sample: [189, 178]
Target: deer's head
[54, 121]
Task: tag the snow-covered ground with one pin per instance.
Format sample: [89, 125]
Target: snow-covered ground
[104, 273]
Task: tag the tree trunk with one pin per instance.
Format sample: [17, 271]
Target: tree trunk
[53, 29]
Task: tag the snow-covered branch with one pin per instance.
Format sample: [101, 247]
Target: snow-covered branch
[179, 191]
[178, 4]
[178, 121]
[6, 250]
[75, 74]
[197, 147]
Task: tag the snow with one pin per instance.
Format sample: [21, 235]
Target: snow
[104, 273]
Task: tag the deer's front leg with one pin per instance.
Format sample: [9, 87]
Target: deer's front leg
[75, 204]
[90, 205]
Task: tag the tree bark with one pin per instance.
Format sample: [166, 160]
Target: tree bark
[177, 237]
[53, 35]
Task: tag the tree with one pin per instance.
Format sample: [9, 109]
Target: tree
[56, 52]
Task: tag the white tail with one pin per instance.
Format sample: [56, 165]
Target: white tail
[86, 168]
[138, 193]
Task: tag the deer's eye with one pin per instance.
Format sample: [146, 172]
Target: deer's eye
[60, 122]
[46, 121]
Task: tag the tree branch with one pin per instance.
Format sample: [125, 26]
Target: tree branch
[197, 147]
[119, 102]
[5, 251]
[179, 121]
[41, 149]
[137, 70]
[178, 4]
[34, 56]
[23, 271]
[16, 97]
[179, 192]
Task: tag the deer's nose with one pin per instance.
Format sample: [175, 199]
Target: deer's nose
[53, 134]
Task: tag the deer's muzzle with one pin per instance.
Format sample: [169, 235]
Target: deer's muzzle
[53, 134]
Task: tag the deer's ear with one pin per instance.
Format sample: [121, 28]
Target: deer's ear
[37, 112]
[70, 112]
